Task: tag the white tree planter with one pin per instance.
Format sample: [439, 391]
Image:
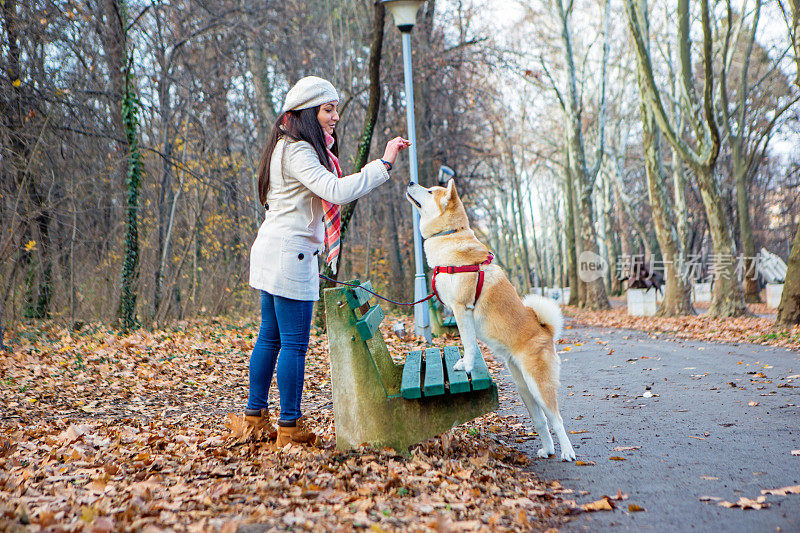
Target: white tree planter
[701, 292]
[774, 291]
[641, 302]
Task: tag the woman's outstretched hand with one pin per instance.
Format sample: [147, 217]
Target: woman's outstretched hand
[394, 147]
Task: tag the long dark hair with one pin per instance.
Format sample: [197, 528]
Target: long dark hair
[300, 125]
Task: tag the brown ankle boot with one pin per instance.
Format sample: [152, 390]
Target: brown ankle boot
[259, 421]
[297, 434]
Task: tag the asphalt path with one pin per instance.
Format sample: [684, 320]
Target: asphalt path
[705, 420]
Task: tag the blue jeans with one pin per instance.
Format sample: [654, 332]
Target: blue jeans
[282, 339]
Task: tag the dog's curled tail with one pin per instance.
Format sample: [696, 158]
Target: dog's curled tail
[548, 311]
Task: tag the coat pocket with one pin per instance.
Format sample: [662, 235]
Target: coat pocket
[298, 262]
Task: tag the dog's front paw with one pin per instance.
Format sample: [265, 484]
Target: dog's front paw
[568, 455]
[462, 364]
[544, 454]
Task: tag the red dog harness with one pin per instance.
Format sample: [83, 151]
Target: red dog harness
[464, 268]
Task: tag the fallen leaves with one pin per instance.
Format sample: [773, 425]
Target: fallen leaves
[606, 503]
[746, 503]
[759, 330]
[795, 489]
[132, 432]
[603, 504]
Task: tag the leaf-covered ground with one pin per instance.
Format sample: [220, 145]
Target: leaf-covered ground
[758, 328]
[102, 431]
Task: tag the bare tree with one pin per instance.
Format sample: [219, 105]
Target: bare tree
[727, 299]
[595, 296]
[129, 106]
[677, 295]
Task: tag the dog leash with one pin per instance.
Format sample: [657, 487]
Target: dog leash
[428, 297]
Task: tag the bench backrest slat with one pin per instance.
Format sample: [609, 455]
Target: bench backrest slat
[459, 382]
[356, 296]
[434, 373]
[370, 322]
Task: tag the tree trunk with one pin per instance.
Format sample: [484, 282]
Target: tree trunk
[258, 69]
[740, 166]
[20, 102]
[130, 267]
[371, 118]
[677, 294]
[165, 194]
[519, 221]
[580, 288]
[625, 244]
[727, 298]
[789, 308]
[572, 256]
[610, 243]
[2, 344]
[396, 265]
[679, 193]
[594, 291]
[749, 277]
[112, 34]
[537, 254]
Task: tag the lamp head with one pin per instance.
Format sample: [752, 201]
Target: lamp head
[404, 13]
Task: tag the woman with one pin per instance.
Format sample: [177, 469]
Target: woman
[301, 185]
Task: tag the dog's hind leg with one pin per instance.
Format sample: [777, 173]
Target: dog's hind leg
[550, 407]
[537, 415]
[465, 321]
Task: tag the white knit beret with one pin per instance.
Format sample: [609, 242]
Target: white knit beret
[310, 91]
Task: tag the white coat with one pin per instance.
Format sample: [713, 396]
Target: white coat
[284, 256]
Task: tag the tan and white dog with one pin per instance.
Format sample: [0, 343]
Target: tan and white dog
[521, 332]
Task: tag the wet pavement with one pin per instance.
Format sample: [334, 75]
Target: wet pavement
[691, 419]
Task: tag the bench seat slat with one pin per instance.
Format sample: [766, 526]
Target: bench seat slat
[410, 386]
[370, 322]
[480, 374]
[434, 373]
[459, 382]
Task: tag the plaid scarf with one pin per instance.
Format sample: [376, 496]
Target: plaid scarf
[333, 223]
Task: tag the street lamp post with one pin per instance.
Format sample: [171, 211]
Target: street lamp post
[404, 13]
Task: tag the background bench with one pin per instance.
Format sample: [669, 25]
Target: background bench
[440, 323]
[378, 402]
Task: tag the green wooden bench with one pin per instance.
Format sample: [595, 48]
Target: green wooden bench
[378, 402]
[441, 324]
